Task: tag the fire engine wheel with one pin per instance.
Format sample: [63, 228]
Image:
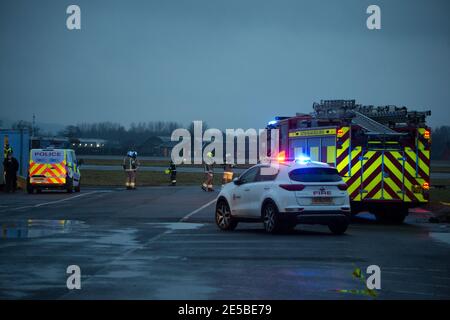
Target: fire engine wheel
[224, 220]
[393, 216]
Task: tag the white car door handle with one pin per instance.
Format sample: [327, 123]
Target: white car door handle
[267, 188]
[246, 189]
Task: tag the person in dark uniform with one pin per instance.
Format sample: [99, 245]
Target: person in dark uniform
[10, 168]
[173, 173]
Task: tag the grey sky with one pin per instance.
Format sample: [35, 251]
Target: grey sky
[231, 63]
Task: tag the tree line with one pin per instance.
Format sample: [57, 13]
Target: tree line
[147, 133]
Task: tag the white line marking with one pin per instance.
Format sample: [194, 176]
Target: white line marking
[197, 210]
[142, 246]
[57, 201]
[441, 236]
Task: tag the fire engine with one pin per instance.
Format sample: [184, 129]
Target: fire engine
[381, 152]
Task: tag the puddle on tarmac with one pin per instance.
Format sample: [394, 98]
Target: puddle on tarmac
[36, 228]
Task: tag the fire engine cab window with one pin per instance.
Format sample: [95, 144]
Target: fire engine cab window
[315, 175]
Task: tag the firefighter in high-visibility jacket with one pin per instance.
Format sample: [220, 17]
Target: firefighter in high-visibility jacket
[130, 165]
[7, 150]
[172, 170]
[209, 173]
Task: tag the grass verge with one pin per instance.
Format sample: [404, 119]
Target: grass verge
[144, 178]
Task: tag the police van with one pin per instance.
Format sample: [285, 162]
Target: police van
[53, 169]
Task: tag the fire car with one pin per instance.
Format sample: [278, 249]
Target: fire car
[284, 195]
[382, 153]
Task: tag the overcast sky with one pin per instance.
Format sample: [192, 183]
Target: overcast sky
[231, 63]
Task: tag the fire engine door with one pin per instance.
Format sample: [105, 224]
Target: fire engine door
[382, 175]
[393, 173]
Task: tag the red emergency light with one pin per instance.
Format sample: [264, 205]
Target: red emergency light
[281, 156]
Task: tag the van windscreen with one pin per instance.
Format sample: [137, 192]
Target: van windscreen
[47, 156]
[315, 175]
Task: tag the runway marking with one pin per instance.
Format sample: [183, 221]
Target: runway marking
[186, 217]
[58, 201]
[441, 236]
[142, 246]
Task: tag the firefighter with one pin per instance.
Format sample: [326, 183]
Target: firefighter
[10, 167]
[209, 173]
[227, 170]
[130, 165]
[172, 170]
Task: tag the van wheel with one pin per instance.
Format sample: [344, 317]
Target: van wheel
[78, 187]
[271, 219]
[30, 189]
[224, 220]
[69, 185]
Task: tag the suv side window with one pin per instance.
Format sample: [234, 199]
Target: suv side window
[270, 174]
[250, 176]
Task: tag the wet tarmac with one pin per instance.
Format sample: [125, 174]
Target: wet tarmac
[162, 243]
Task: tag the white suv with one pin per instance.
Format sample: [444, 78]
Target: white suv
[284, 195]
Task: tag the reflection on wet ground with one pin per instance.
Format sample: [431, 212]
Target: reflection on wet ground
[36, 228]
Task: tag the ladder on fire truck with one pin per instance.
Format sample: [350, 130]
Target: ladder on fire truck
[371, 125]
[375, 120]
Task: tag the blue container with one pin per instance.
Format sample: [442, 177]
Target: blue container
[19, 141]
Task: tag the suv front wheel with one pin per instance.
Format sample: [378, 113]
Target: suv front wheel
[224, 220]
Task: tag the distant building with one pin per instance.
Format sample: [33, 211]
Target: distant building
[446, 152]
[166, 146]
[49, 142]
[88, 143]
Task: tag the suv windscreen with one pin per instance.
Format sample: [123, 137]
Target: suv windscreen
[315, 175]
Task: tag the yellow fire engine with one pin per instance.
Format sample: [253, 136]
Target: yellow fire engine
[382, 153]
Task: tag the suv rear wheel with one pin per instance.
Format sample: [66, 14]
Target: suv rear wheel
[224, 220]
[272, 223]
[338, 227]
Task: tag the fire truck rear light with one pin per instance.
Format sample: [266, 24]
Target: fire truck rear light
[340, 133]
[292, 187]
[342, 186]
[426, 186]
[426, 134]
